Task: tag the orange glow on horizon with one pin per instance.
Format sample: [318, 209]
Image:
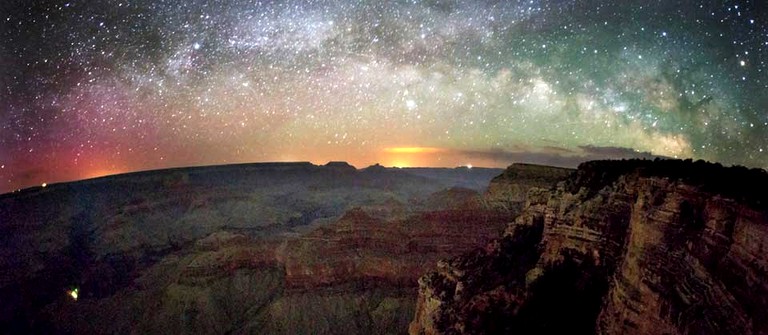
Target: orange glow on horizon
[400, 164]
[405, 157]
[101, 173]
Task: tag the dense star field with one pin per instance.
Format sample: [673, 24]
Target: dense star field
[89, 88]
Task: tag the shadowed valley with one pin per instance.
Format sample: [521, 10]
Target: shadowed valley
[614, 247]
[276, 248]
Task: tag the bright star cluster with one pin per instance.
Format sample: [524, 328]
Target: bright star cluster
[90, 88]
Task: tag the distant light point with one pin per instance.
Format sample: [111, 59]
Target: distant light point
[73, 293]
[742, 63]
[44, 185]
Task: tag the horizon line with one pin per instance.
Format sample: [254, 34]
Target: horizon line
[47, 184]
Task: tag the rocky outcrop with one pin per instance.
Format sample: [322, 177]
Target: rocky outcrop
[510, 189]
[629, 247]
[191, 250]
[341, 167]
[453, 198]
[359, 247]
[357, 274]
[216, 287]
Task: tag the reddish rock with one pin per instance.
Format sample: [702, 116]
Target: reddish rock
[634, 247]
[361, 247]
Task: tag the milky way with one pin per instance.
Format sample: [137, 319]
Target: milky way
[89, 88]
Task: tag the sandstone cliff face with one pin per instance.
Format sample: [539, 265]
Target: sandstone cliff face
[360, 247]
[203, 250]
[511, 187]
[619, 248]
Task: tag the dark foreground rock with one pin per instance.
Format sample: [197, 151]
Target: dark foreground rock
[621, 247]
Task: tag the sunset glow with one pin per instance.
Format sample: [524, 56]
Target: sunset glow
[92, 89]
[101, 173]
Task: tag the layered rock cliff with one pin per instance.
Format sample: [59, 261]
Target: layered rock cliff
[627, 247]
[359, 247]
[284, 248]
[510, 189]
[189, 250]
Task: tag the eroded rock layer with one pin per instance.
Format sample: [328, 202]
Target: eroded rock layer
[283, 248]
[203, 250]
[623, 247]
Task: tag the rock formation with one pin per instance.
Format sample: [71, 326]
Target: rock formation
[359, 247]
[511, 187]
[253, 248]
[620, 247]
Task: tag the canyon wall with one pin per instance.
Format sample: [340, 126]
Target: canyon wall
[283, 248]
[622, 247]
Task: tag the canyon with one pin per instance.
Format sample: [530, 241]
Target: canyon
[619, 247]
[257, 248]
[612, 247]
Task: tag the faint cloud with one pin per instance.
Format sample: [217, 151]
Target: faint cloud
[557, 156]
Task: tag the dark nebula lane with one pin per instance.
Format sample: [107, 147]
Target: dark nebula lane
[90, 88]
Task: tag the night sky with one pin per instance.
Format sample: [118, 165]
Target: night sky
[96, 87]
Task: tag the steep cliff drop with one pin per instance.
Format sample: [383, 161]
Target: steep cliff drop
[621, 247]
[271, 248]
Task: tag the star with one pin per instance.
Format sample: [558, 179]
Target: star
[90, 88]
